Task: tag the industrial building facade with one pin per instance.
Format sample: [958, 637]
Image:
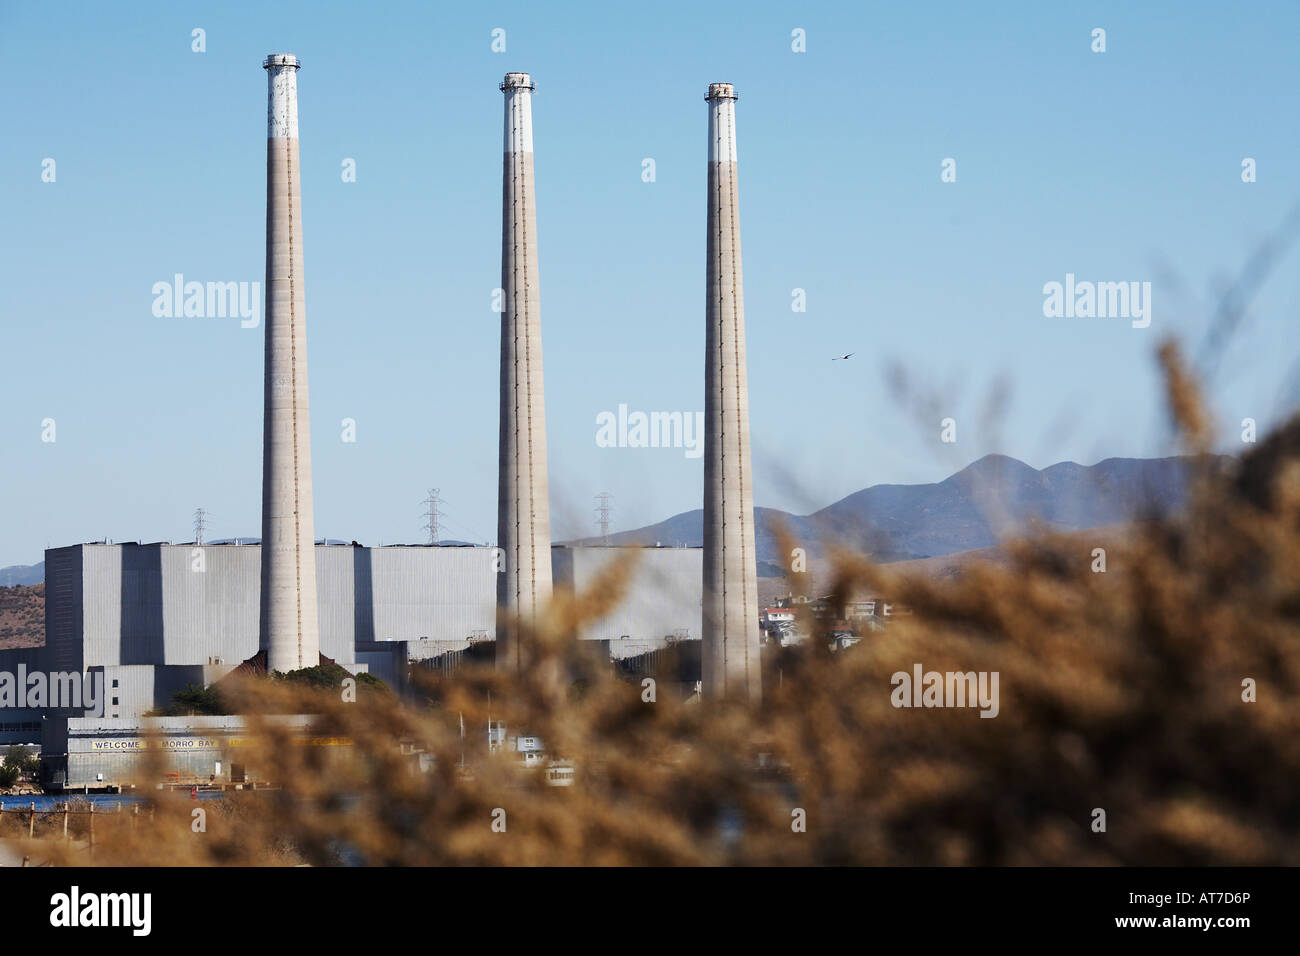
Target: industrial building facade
[143, 621]
[150, 619]
[107, 752]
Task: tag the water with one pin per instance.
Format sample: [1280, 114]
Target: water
[104, 802]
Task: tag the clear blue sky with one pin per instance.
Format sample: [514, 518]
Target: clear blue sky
[1124, 165]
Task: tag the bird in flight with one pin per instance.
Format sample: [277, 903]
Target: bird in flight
[838, 357]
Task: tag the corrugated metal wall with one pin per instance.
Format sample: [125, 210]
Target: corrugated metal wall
[210, 605]
[662, 596]
[90, 742]
[63, 608]
[341, 624]
[151, 604]
[444, 594]
[133, 689]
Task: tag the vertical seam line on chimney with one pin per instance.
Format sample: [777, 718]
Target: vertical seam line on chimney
[293, 391]
[737, 330]
[719, 391]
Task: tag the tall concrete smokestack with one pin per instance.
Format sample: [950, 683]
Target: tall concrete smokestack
[523, 508]
[289, 632]
[730, 615]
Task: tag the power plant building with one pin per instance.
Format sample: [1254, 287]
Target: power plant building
[108, 752]
[149, 620]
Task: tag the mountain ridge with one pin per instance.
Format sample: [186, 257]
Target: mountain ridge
[976, 507]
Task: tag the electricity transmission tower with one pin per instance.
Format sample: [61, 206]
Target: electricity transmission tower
[200, 525]
[432, 514]
[603, 510]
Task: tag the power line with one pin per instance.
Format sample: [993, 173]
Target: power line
[465, 532]
[603, 510]
[432, 514]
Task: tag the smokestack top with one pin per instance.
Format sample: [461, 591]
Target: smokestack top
[282, 103]
[722, 123]
[276, 60]
[519, 112]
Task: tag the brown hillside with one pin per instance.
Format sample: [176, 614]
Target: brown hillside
[22, 616]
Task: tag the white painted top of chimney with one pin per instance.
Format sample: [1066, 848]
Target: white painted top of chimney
[722, 122]
[518, 88]
[282, 103]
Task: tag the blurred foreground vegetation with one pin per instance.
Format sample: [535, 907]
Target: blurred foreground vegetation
[1164, 691]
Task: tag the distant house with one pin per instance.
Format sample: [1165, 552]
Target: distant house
[769, 617]
[854, 617]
